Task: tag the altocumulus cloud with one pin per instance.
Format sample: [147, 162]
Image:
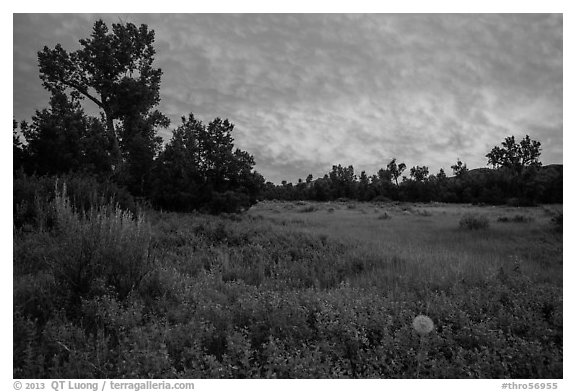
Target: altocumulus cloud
[309, 91]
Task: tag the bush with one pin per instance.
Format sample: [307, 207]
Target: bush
[106, 247]
[471, 221]
[308, 209]
[515, 219]
[423, 212]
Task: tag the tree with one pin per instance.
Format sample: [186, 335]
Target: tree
[342, 181]
[140, 146]
[441, 176]
[62, 139]
[363, 187]
[459, 169]
[199, 166]
[419, 173]
[515, 156]
[395, 170]
[114, 70]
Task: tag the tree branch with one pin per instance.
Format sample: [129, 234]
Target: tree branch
[85, 92]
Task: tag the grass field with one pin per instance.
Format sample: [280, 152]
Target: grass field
[291, 290]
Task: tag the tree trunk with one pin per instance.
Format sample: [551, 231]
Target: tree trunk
[116, 156]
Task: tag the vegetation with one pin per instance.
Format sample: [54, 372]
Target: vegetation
[471, 221]
[197, 170]
[115, 71]
[122, 269]
[200, 167]
[497, 186]
[516, 219]
[280, 294]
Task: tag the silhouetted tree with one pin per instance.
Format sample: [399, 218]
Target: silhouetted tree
[342, 181]
[520, 160]
[112, 69]
[140, 146]
[395, 170]
[200, 168]
[441, 176]
[62, 138]
[419, 173]
[363, 192]
[515, 156]
[459, 169]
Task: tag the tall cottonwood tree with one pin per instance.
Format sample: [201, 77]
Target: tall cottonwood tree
[115, 71]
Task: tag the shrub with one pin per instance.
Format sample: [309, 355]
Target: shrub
[106, 247]
[307, 209]
[515, 219]
[423, 212]
[471, 221]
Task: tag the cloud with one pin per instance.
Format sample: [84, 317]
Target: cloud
[308, 91]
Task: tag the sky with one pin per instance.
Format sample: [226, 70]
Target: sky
[308, 91]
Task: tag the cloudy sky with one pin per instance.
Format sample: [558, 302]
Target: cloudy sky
[307, 91]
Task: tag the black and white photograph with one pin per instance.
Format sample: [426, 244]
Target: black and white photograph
[287, 196]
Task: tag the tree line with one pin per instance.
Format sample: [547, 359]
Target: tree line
[517, 177]
[199, 168]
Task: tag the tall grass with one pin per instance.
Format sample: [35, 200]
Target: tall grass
[106, 245]
[284, 295]
[82, 255]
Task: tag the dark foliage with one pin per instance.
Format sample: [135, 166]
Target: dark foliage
[199, 169]
[112, 69]
[63, 139]
[479, 186]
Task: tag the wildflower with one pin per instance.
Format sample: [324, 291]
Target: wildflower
[423, 325]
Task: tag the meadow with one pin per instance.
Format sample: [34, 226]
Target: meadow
[289, 290]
